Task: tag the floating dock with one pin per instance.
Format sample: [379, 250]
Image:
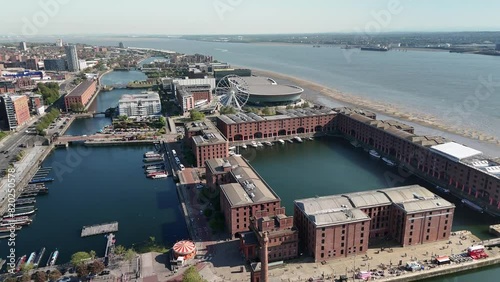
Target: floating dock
[99, 229]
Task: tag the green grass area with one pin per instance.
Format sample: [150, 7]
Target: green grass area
[3, 134]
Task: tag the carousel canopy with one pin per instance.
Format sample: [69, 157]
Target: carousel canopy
[184, 247]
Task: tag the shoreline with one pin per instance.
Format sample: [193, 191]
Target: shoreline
[393, 111]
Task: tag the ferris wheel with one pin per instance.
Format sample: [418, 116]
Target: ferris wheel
[232, 91]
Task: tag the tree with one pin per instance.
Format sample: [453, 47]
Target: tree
[54, 275]
[289, 107]
[10, 279]
[267, 111]
[82, 270]
[130, 254]
[77, 107]
[191, 275]
[120, 250]
[306, 105]
[27, 267]
[26, 277]
[40, 276]
[92, 254]
[79, 258]
[196, 115]
[96, 267]
[226, 110]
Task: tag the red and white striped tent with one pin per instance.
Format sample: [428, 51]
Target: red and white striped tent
[185, 248]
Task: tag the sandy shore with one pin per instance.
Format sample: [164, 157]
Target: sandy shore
[391, 110]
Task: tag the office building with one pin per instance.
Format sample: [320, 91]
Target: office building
[54, 64]
[59, 43]
[14, 111]
[23, 46]
[72, 58]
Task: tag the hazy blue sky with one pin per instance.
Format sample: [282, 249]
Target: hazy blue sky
[23, 17]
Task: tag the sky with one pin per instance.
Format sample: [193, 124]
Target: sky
[182, 17]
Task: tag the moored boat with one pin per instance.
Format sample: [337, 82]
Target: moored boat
[289, 141]
[298, 139]
[31, 258]
[39, 257]
[20, 263]
[9, 229]
[259, 144]
[159, 176]
[472, 205]
[244, 146]
[374, 154]
[388, 162]
[268, 143]
[281, 141]
[254, 144]
[442, 189]
[53, 258]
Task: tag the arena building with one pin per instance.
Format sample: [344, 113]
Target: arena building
[266, 91]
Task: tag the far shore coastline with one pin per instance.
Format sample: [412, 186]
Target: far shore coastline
[390, 110]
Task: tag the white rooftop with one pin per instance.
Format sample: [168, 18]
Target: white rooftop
[455, 151]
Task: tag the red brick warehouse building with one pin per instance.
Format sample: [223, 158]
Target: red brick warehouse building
[249, 126]
[465, 171]
[342, 225]
[205, 141]
[82, 94]
[251, 208]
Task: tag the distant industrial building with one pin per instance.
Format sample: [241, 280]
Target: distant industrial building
[72, 58]
[54, 64]
[14, 111]
[59, 43]
[81, 95]
[205, 141]
[23, 46]
[140, 105]
[342, 225]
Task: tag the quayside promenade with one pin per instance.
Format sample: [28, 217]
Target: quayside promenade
[384, 258]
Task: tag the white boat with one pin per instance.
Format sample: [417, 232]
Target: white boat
[31, 258]
[472, 205]
[268, 143]
[158, 176]
[244, 146]
[310, 139]
[232, 148]
[298, 139]
[374, 154]
[355, 144]
[259, 144]
[388, 162]
[231, 153]
[442, 189]
[253, 144]
[289, 141]
[281, 141]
